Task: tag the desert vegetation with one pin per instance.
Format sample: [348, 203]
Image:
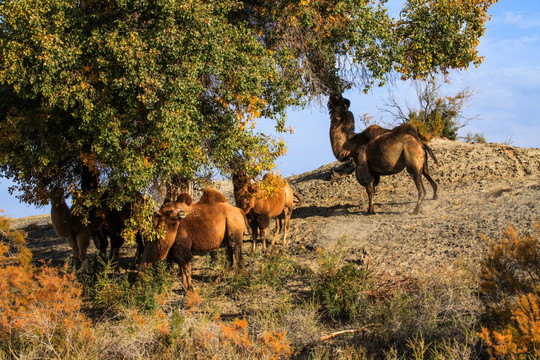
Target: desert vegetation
[277, 307]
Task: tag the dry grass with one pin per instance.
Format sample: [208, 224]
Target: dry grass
[259, 313]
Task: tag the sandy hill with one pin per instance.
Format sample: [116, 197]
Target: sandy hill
[483, 189]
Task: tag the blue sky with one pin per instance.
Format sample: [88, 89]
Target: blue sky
[507, 100]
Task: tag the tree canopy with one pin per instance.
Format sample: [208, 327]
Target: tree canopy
[140, 90]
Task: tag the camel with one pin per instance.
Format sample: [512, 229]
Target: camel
[109, 223]
[193, 229]
[389, 154]
[106, 222]
[259, 210]
[70, 227]
[347, 145]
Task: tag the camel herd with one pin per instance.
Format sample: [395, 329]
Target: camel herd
[196, 228]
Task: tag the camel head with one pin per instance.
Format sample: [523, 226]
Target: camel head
[337, 102]
[172, 212]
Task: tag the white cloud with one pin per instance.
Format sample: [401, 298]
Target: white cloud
[524, 22]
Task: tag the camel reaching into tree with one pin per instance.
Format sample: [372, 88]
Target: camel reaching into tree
[192, 229]
[70, 227]
[260, 209]
[381, 163]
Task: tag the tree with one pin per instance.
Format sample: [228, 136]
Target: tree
[434, 114]
[142, 91]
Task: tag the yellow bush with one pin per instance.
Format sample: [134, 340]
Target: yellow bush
[510, 288]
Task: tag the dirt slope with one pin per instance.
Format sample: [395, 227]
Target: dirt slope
[482, 190]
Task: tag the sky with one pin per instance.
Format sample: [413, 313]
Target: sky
[506, 103]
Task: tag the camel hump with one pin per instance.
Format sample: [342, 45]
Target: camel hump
[406, 128]
[184, 198]
[212, 196]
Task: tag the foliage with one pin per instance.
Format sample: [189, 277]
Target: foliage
[269, 185]
[510, 287]
[476, 138]
[435, 114]
[140, 92]
[40, 307]
[111, 291]
[273, 270]
[343, 290]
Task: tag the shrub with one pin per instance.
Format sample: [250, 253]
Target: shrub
[40, 307]
[109, 289]
[476, 138]
[510, 288]
[342, 289]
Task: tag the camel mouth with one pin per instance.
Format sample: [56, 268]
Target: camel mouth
[182, 214]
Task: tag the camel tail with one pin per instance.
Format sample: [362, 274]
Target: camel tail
[428, 150]
[296, 195]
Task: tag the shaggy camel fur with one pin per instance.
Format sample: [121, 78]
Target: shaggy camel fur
[193, 229]
[389, 154]
[70, 227]
[342, 135]
[341, 125]
[259, 210]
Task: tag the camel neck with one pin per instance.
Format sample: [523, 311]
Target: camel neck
[168, 241]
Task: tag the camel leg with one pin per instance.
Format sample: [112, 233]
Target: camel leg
[417, 177]
[254, 232]
[365, 178]
[425, 172]
[370, 189]
[83, 241]
[279, 225]
[234, 248]
[75, 249]
[185, 269]
[288, 213]
[116, 242]
[263, 237]
[101, 239]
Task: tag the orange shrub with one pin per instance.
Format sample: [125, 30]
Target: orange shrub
[39, 306]
[510, 289]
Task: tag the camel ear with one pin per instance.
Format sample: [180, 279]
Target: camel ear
[185, 198]
[347, 103]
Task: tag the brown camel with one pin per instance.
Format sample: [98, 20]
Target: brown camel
[107, 223]
[193, 229]
[70, 227]
[260, 209]
[346, 145]
[389, 154]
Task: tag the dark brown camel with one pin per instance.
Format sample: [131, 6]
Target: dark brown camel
[70, 227]
[341, 125]
[105, 222]
[260, 209]
[389, 154]
[193, 229]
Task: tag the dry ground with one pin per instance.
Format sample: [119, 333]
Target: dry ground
[483, 189]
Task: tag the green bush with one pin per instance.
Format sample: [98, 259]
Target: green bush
[342, 289]
[108, 289]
